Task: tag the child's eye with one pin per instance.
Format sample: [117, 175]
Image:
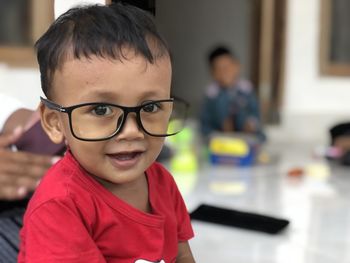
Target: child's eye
[102, 110]
[151, 107]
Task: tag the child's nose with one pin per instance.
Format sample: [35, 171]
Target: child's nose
[130, 129]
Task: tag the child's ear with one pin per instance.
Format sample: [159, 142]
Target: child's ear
[51, 123]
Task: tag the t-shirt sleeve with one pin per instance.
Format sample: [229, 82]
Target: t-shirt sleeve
[55, 232]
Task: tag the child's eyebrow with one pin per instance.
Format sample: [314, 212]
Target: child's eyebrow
[152, 94]
[107, 96]
[96, 95]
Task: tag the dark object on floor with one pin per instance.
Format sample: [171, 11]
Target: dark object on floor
[345, 159]
[338, 130]
[229, 217]
[340, 138]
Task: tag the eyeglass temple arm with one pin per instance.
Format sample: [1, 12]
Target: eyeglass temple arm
[51, 105]
[175, 98]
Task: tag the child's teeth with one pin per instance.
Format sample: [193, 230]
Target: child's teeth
[124, 157]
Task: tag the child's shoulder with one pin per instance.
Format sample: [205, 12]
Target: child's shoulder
[55, 181]
[245, 86]
[212, 90]
[59, 185]
[162, 185]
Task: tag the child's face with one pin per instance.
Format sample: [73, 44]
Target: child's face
[123, 158]
[225, 70]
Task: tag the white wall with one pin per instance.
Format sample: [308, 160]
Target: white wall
[312, 103]
[194, 27]
[21, 83]
[63, 5]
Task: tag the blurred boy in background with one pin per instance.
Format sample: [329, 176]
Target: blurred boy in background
[230, 103]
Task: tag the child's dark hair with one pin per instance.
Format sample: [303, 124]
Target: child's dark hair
[219, 51]
[97, 30]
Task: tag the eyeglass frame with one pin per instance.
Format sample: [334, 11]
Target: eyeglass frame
[126, 110]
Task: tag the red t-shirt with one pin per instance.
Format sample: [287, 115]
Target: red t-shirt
[73, 218]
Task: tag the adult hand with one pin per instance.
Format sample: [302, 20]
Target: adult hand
[20, 172]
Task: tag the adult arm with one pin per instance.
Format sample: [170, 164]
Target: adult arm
[20, 172]
[18, 118]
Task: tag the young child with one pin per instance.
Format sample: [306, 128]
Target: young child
[106, 74]
[230, 104]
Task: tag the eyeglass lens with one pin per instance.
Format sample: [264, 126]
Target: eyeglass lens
[101, 121]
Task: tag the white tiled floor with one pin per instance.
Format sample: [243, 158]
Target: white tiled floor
[317, 205]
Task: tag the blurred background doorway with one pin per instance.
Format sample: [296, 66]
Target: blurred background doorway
[253, 29]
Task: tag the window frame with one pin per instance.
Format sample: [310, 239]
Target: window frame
[41, 15]
[328, 66]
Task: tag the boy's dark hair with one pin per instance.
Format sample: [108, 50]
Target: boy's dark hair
[97, 30]
[219, 51]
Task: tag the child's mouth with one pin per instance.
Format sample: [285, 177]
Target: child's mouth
[125, 159]
[126, 156]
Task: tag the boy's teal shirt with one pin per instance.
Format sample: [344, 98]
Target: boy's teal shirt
[238, 102]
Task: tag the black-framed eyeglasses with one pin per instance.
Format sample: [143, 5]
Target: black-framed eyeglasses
[99, 121]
